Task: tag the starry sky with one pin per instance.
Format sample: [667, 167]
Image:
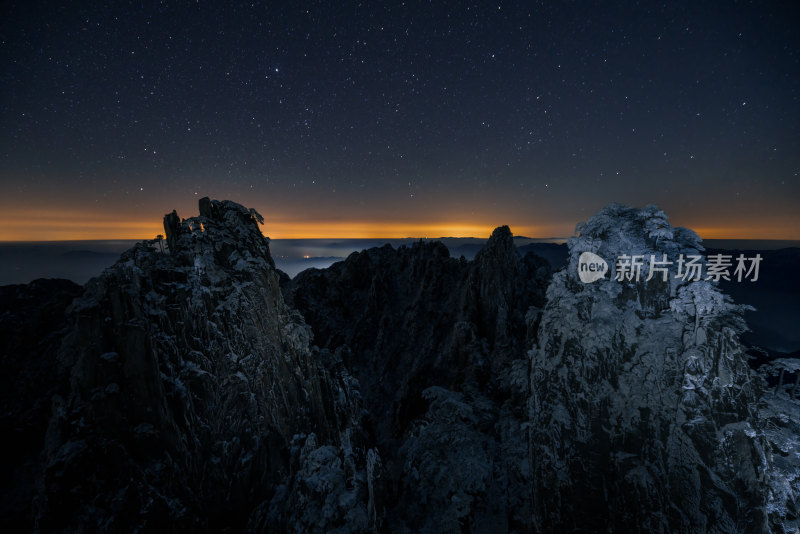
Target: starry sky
[394, 119]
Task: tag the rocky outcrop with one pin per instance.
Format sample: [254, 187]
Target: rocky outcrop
[644, 412]
[439, 347]
[32, 324]
[198, 389]
[196, 403]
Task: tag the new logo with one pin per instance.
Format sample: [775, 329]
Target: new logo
[591, 267]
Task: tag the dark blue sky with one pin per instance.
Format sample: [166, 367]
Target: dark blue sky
[415, 117]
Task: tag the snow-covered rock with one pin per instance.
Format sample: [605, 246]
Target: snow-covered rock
[644, 413]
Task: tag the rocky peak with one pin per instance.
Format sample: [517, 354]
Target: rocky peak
[619, 231]
[196, 401]
[499, 257]
[643, 413]
[500, 285]
[224, 229]
[439, 348]
[501, 240]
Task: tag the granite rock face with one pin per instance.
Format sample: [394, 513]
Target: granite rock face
[644, 412]
[196, 403]
[439, 346]
[780, 412]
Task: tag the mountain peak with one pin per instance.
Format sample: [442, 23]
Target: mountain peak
[499, 248]
[618, 229]
[224, 229]
[227, 211]
[501, 233]
[194, 354]
[640, 385]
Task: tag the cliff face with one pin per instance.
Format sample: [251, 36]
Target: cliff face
[644, 412]
[196, 403]
[439, 348]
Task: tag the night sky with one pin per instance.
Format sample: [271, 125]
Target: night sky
[398, 119]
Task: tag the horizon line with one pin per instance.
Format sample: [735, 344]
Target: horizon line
[376, 238]
[69, 225]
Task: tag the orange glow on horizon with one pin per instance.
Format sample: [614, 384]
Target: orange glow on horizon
[381, 230]
[77, 226]
[748, 232]
[77, 230]
[768, 227]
